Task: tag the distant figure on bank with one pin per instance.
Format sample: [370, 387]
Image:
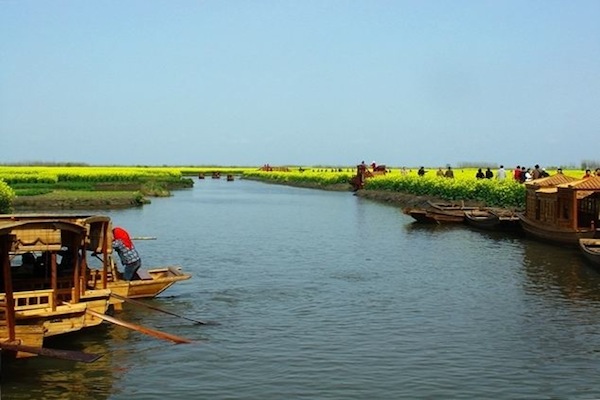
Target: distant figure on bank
[501, 173]
[130, 258]
[523, 176]
[517, 174]
[421, 171]
[537, 172]
[479, 174]
[488, 173]
[440, 172]
[449, 173]
[559, 171]
[588, 174]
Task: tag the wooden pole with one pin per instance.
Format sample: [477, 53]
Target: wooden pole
[77, 263]
[139, 328]
[139, 303]
[54, 353]
[9, 301]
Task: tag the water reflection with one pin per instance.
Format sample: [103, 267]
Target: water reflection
[559, 269]
[50, 378]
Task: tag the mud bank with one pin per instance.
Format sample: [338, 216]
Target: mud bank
[407, 200]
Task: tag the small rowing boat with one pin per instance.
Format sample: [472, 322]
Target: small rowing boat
[492, 219]
[590, 249]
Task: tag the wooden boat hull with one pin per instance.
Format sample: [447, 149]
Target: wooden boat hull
[590, 249]
[153, 282]
[28, 335]
[553, 234]
[420, 215]
[65, 317]
[449, 212]
[492, 221]
[434, 216]
[456, 217]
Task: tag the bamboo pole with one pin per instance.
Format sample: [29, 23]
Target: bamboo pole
[139, 303]
[54, 353]
[139, 328]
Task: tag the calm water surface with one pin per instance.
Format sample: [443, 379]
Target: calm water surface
[323, 295]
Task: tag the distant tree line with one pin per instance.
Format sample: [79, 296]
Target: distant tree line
[45, 164]
[590, 164]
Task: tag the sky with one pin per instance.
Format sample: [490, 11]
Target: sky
[306, 82]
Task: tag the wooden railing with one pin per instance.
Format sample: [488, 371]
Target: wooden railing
[30, 300]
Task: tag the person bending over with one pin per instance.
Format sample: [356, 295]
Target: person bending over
[130, 258]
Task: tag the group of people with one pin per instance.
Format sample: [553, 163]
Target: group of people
[489, 174]
[588, 173]
[449, 173]
[522, 174]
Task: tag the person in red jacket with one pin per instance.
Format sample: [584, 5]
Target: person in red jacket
[517, 173]
[130, 258]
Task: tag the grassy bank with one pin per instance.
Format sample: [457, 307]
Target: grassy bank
[51, 188]
[73, 200]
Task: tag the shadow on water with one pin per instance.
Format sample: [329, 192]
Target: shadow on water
[552, 268]
[50, 378]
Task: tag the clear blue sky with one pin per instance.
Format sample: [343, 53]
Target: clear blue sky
[330, 82]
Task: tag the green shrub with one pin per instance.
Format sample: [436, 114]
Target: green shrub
[7, 195]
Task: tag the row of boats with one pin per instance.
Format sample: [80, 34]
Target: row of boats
[59, 276]
[559, 209]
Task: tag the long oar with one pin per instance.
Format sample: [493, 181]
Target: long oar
[139, 328]
[139, 303]
[71, 355]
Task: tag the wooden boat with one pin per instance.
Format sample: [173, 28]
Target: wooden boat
[420, 215]
[492, 219]
[43, 289]
[590, 249]
[562, 209]
[438, 213]
[449, 212]
[101, 271]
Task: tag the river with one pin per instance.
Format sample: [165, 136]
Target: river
[324, 295]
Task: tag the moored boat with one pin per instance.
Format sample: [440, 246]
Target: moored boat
[562, 209]
[438, 213]
[590, 249]
[420, 215]
[492, 219]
